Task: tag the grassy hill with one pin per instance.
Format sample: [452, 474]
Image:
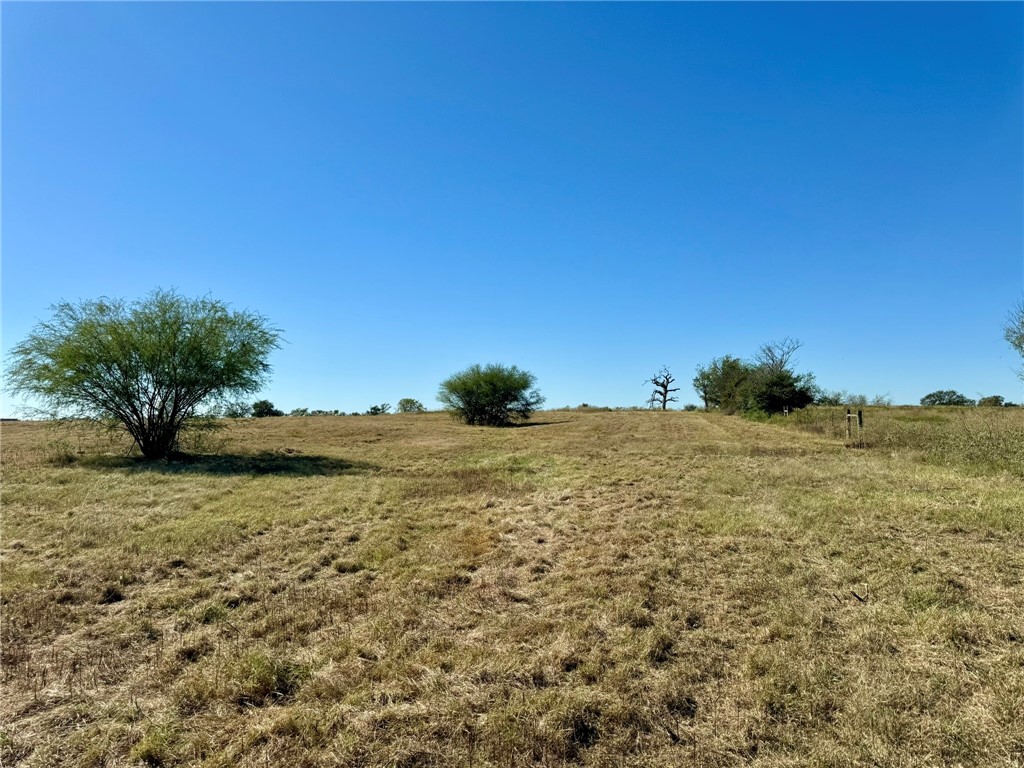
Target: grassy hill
[607, 589]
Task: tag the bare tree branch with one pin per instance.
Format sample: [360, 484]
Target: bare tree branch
[776, 356]
[662, 389]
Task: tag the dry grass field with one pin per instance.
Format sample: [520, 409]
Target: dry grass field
[978, 439]
[601, 589]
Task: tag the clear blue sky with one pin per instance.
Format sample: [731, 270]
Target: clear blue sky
[586, 191]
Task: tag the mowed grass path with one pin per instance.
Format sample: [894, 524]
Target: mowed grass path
[607, 589]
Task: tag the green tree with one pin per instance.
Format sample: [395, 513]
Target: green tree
[992, 401]
[237, 409]
[772, 385]
[774, 390]
[946, 397]
[263, 408]
[409, 405]
[492, 395]
[720, 383]
[149, 367]
[379, 410]
[768, 384]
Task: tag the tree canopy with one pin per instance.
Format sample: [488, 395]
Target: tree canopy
[237, 409]
[720, 383]
[261, 409]
[492, 395]
[410, 405]
[992, 401]
[149, 367]
[767, 384]
[773, 391]
[946, 397]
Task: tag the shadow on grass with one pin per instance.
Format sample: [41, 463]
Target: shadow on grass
[265, 463]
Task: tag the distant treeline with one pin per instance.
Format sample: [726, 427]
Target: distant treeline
[264, 408]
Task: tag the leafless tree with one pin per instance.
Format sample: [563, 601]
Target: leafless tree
[663, 388]
[775, 356]
[1013, 331]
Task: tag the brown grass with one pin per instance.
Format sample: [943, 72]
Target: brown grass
[606, 589]
[989, 440]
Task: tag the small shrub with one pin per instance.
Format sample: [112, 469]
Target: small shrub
[492, 395]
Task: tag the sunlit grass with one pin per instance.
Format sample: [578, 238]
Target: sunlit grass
[976, 439]
[601, 588]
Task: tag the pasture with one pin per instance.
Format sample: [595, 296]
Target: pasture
[596, 588]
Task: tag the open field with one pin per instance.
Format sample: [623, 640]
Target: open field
[976, 439]
[606, 589]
